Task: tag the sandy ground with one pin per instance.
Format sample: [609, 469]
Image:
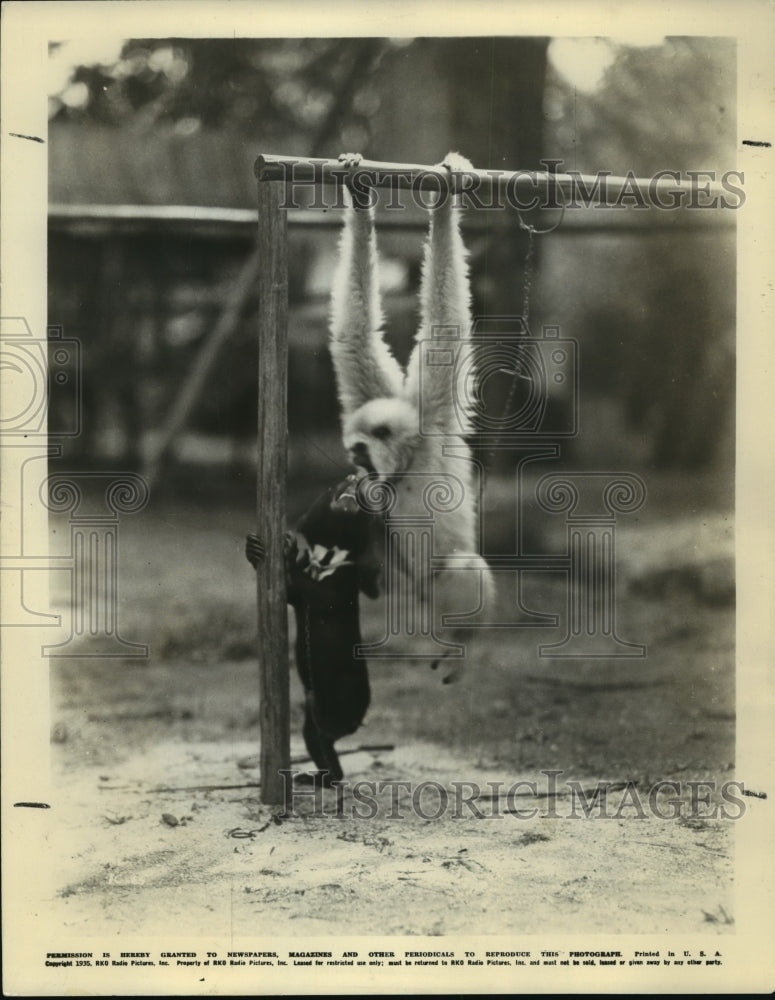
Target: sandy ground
[143, 860]
[159, 827]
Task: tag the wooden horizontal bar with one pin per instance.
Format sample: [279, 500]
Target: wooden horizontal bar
[415, 176]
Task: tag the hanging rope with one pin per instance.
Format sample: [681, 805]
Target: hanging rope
[515, 372]
[528, 274]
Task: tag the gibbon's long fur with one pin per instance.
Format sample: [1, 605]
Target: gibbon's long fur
[381, 404]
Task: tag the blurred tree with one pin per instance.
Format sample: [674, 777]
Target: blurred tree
[658, 332]
[279, 89]
[485, 92]
[671, 105]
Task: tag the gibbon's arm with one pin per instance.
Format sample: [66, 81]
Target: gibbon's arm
[445, 301]
[365, 368]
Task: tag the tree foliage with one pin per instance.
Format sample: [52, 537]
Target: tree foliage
[276, 88]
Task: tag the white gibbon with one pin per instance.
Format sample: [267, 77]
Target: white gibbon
[396, 424]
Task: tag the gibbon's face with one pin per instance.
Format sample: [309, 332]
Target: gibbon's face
[382, 436]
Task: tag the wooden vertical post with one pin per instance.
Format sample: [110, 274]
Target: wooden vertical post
[274, 682]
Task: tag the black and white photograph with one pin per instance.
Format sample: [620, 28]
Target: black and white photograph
[386, 498]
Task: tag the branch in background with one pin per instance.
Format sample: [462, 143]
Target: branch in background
[365, 59]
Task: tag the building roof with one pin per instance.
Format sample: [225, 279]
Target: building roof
[99, 165]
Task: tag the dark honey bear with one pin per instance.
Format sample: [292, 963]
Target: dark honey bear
[334, 554]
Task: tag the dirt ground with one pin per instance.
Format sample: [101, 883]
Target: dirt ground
[160, 821]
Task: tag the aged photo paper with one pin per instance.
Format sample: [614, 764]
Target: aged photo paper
[587, 806]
